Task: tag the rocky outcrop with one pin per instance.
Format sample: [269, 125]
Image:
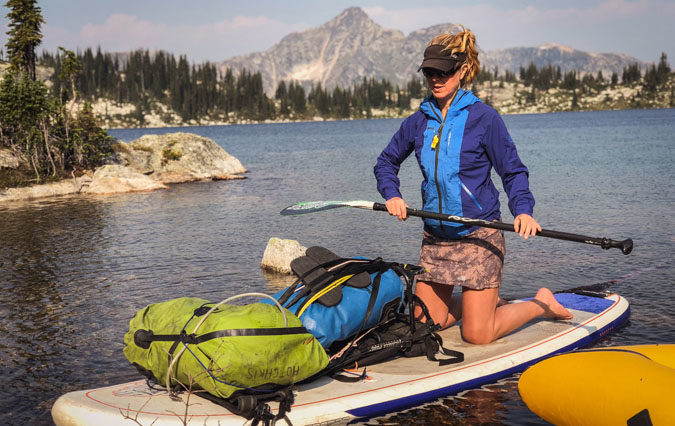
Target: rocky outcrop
[111, 179]
[146, 164]
[64, 187]
[279, 253]
[179, 157]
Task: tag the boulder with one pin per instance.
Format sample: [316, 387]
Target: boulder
[8, 159]
[146, 164]
[179, 157]
[111, 179]
[279, 253]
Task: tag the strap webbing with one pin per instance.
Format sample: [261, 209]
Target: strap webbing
[143, 338]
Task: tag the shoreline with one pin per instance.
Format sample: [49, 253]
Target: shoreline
[508, 98]
[285, 121]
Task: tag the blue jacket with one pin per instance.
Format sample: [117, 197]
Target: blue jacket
[457, 167]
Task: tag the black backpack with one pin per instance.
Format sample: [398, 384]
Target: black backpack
[398, 333]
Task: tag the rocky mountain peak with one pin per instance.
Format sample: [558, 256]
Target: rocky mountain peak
[553, 46]
[353, 17]
[351, 47]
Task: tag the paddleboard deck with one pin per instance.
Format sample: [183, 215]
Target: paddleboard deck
[390, 386]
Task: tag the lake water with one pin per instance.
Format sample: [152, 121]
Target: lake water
[74, 270]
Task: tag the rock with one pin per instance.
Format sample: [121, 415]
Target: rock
[146, 164]
[64, 187]
[279, 253]
[179, 157]
[111, 179]
[8, 159]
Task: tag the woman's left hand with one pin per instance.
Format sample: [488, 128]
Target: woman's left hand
[525, 225]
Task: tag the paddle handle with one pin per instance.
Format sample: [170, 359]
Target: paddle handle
[626, 246]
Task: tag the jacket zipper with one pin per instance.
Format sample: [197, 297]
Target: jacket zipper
[438, 187]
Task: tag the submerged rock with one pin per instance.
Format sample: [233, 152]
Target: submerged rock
[279, 253]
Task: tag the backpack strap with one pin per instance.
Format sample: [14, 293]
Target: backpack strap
[143, 338]
[317, 278]
[256, 407]
[455, 357]
[421, 338]
[340, 271]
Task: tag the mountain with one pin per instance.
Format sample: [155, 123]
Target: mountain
[566, 57]
[352, 46]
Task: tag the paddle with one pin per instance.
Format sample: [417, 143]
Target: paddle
[626, 246]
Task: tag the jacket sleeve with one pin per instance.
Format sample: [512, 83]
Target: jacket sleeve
[389, 162]
[504, 158]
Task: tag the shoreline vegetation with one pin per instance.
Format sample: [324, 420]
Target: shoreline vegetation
[54, 109]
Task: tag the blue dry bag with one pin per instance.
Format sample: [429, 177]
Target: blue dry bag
[336, 298]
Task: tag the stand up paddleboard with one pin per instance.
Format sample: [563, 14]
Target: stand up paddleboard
[390, 386]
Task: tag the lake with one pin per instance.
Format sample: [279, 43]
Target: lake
[74, 270]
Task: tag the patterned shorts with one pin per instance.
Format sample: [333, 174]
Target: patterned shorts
[475, 261]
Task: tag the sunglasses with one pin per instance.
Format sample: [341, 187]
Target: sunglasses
[433, 72]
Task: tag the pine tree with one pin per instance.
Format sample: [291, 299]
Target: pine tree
[599, 78]
[570, 81]
[70, 68]
[282, 96]
[298, 101]
[25, 21]
[663, 69]
[631, 74]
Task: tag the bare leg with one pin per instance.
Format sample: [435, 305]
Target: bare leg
[444, 309]
[483, 323]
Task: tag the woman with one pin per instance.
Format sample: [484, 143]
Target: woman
[457, 141]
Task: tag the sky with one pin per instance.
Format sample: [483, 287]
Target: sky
[216, 30]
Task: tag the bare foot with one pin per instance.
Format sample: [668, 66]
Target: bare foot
[552, 309]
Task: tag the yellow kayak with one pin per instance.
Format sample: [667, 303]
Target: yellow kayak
[632, 385]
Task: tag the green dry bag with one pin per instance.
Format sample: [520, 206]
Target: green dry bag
[252, 348]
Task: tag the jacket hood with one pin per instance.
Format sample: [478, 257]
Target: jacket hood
[463, 99]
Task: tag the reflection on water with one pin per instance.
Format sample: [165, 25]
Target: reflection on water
[276, 282]
[74, 270]
[493, 404]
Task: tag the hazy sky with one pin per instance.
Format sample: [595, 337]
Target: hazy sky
[218, 29]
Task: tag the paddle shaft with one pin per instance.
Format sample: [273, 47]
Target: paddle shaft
[626, 246]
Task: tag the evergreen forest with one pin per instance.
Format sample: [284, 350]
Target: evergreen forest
[195, 91]
[52, 139]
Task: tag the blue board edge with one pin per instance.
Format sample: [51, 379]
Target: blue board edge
[414, 400]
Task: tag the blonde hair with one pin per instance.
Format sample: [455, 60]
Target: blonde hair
[461, 41]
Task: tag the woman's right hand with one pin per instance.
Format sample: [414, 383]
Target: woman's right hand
[397, 207]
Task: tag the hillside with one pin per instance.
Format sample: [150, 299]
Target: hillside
[507, 98]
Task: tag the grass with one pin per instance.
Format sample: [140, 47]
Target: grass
[170, 154]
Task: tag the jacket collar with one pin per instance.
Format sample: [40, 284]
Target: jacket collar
[463, 99]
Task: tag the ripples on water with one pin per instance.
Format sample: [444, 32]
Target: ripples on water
[74, 270]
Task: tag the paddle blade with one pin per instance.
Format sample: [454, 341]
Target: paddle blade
[317, 206]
